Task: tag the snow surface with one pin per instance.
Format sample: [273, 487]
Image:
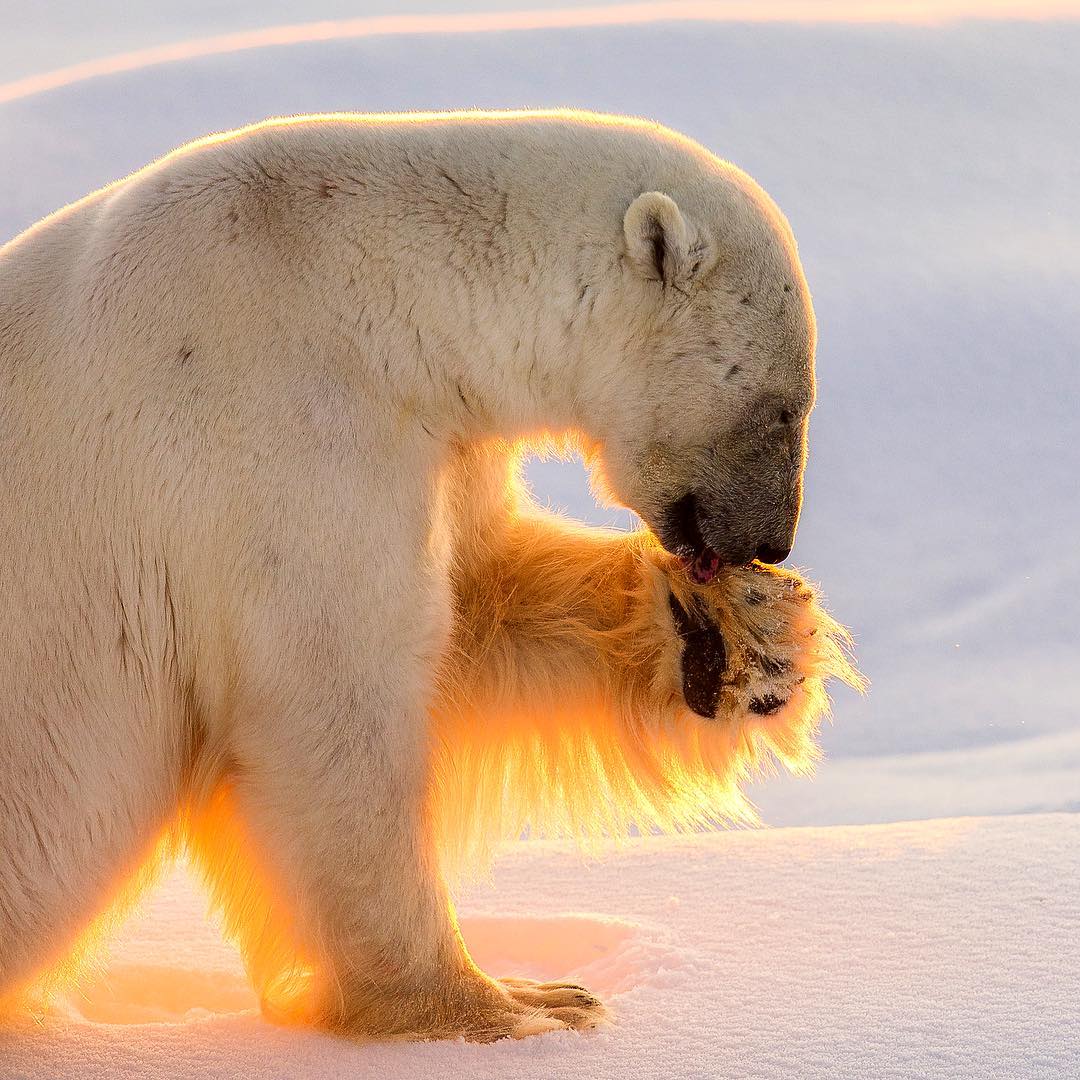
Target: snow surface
[930, 173]
[939, 949]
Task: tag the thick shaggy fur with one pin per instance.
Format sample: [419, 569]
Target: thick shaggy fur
[560, 707]
[269, 585]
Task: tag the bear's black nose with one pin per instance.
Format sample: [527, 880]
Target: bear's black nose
[766, 553]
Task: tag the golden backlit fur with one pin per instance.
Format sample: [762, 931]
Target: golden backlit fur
[559, 709]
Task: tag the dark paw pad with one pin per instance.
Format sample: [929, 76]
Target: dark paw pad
[766, 706]
[704, 659]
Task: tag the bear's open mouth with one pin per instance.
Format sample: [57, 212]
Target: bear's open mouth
[681, 535]
[704, 567]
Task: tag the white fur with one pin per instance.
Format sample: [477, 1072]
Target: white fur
[231, 385]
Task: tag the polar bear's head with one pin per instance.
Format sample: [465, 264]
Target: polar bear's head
[704, 432]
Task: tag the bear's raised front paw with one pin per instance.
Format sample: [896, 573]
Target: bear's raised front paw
[745, 640]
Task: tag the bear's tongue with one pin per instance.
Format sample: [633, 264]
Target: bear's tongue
[704, 567]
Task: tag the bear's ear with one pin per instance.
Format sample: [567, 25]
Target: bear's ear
[659, 240]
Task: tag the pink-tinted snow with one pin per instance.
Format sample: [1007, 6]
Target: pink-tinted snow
[939, 949]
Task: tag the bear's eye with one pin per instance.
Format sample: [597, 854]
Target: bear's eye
[786, 417]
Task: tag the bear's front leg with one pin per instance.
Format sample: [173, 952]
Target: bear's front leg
[592, 689]
[569, 621]
[330, 777]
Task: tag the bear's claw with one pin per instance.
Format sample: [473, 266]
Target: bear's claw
[570, 1005]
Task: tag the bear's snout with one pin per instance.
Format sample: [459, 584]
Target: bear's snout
[704, 543]
[772, 553]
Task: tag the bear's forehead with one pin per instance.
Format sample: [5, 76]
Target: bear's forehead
[764, 315]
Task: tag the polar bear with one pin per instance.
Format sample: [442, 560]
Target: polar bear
[270, 583]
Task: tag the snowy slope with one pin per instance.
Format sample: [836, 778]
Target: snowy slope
[942, 949]
[930, 173]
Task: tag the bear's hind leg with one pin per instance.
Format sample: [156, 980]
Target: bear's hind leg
[86, 797]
